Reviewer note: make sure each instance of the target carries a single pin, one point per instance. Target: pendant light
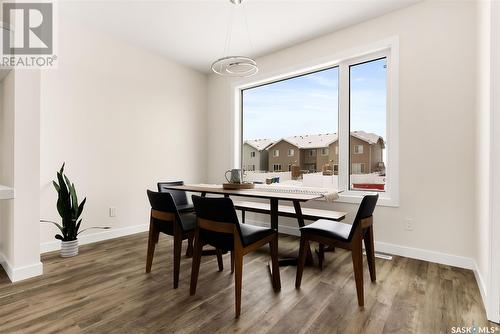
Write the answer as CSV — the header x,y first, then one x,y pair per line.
x,y
235,66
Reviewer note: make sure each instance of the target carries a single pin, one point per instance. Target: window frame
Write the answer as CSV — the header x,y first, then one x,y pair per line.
x,y
387,48
291,150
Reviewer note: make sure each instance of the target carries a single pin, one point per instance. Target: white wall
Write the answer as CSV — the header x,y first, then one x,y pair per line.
x,y
493,307
437,103
483,146
20,169
122,119
6,161
488,158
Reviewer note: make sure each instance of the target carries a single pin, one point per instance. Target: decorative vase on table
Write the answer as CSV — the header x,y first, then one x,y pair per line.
x,y
70,211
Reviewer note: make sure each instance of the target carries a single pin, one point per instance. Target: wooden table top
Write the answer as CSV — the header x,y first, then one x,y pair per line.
x,y
255,193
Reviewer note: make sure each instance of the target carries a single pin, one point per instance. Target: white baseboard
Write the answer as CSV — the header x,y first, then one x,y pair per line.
x,y
425,255
482,286
96,237
17,274
393,249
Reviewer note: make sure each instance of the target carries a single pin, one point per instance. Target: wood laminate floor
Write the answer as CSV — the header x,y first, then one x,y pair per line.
x,y
105,290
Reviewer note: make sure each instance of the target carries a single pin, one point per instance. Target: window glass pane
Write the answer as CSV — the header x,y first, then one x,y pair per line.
x,y
368,114
299,117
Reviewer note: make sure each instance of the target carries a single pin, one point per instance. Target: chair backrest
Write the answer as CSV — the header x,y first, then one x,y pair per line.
x,y
163,202
179,196
365,210
220,210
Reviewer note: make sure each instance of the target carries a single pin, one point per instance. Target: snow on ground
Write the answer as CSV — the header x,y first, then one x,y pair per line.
x,y
312,180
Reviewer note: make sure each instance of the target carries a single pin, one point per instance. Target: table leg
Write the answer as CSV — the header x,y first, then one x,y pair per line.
x,y
300,220
274,225
274,214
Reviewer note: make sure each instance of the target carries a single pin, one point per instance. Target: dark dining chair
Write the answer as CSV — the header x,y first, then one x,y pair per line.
x,y
218,226
165,218
179,196
344,236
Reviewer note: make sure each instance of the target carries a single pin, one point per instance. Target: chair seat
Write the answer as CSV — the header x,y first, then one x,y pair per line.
x,y
185,208
328,229
252,233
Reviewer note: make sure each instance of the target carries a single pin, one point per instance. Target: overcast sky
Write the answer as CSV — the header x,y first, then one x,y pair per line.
x,y
309,104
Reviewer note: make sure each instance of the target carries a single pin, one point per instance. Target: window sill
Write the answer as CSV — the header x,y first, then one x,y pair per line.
x,y
355,197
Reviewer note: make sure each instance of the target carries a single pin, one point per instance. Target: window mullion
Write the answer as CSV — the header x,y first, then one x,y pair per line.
x,y
343,127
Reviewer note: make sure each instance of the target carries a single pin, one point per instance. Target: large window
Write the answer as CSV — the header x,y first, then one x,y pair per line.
x,y
299,116
368,121
331,123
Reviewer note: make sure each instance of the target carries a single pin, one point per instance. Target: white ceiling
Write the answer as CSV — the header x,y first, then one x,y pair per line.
x,y
193,32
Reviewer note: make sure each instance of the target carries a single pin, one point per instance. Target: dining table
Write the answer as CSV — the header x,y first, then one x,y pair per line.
x,y
274,196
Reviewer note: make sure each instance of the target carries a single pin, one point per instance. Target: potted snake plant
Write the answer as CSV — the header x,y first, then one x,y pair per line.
x,y
70,211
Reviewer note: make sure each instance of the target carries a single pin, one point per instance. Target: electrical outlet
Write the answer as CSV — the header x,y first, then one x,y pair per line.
x,y
408,224
112,212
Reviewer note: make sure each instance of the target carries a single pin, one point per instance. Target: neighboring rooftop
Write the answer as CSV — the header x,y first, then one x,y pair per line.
x,y
259,144
312,141
325,139
369,137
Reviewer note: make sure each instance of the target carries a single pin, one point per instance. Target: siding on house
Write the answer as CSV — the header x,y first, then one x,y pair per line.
x,y
257,148
283,146
249,162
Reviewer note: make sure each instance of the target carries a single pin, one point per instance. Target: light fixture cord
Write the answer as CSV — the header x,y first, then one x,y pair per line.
x,y
229,32
248,30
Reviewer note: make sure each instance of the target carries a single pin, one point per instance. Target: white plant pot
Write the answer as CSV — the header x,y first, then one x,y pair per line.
x,y
69,248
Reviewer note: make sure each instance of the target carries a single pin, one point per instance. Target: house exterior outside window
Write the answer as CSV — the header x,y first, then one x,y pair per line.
x,y
255,154
358,168
313,152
